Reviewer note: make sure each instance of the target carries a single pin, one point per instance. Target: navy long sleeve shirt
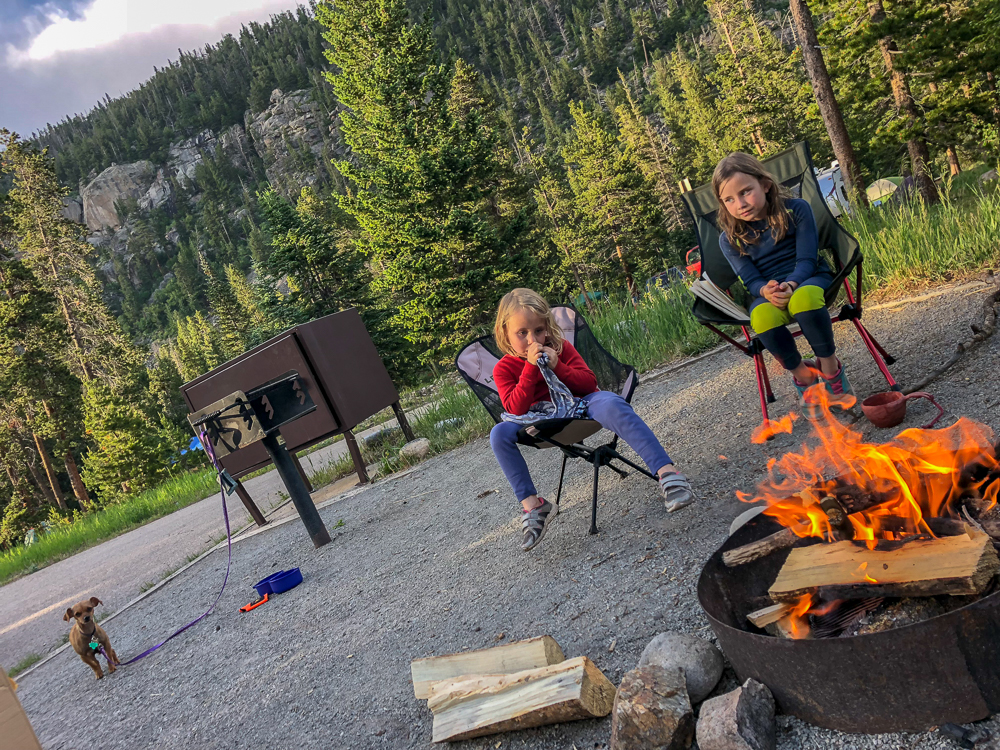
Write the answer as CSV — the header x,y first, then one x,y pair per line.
x,y
794,258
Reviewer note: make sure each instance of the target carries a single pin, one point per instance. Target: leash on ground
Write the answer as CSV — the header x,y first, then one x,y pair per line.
x,y
209,450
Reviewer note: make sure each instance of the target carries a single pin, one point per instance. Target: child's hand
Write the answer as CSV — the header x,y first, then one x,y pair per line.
x,y
781,300
771,291
553,357
534,352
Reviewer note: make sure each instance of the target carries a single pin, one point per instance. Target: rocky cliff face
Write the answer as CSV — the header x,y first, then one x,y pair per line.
x,y
116,183
294,141
187,155
293,138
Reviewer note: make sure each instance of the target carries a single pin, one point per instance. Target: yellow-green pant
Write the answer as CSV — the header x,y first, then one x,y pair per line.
x,y
807,307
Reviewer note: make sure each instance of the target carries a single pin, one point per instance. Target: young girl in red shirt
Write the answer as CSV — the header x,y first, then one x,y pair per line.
x,y
524,331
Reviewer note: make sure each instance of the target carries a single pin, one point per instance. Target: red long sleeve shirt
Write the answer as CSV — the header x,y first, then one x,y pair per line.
x,y
520,385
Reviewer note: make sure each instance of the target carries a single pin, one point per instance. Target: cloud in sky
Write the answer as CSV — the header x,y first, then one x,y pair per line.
x,y
61,56
108,21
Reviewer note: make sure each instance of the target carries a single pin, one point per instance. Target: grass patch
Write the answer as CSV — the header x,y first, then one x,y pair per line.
x,y
22,665
455,418
109,522
914,242
660,328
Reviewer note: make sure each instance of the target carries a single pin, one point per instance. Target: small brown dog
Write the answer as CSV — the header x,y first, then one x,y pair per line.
x,y
86,635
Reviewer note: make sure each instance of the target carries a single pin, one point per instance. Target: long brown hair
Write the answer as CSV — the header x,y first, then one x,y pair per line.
x,y
738,232
525,299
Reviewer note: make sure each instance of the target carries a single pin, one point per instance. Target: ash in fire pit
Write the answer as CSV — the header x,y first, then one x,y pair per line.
x,y
871,568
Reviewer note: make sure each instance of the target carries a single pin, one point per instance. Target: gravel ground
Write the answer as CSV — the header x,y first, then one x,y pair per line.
x,y
430,564
31,607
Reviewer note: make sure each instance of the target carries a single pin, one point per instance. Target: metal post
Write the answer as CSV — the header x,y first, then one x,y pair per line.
x,y
249,504
302,472
404,424
296,490
359,464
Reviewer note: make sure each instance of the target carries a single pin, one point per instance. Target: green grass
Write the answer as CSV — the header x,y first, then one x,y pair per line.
x,y
914,242
661,328
97,527
455,401
22,665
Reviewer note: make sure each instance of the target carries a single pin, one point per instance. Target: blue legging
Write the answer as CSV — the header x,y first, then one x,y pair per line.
x,y
807,307
610,410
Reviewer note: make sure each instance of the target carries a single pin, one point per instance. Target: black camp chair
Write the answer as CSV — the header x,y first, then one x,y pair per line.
x,y
793,168
476,361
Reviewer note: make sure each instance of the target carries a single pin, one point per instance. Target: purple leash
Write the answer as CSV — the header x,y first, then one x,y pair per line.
x,y
229,544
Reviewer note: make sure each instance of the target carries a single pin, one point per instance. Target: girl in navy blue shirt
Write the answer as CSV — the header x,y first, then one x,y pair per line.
x,y
770,240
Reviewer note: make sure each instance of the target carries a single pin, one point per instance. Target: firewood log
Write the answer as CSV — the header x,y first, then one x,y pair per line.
x,y
953,565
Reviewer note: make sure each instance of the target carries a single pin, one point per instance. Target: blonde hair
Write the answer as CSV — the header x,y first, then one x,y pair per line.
x,y
525,299
738,232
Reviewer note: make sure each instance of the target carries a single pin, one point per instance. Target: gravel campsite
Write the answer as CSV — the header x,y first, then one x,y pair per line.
x,y
428,562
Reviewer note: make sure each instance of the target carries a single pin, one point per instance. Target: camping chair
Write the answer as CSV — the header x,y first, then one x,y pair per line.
x,y
793,168
476,361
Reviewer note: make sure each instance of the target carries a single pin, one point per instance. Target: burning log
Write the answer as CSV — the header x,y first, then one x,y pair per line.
x,y
764,617
954,565
836,516
761,548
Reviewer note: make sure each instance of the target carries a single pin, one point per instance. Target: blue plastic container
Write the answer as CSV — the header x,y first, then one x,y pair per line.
x,y
264,586
286,579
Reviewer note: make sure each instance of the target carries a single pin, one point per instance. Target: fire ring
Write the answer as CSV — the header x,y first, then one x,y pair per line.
x,y
911,678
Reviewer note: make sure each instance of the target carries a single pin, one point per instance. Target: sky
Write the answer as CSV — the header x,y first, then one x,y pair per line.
x,y
60,57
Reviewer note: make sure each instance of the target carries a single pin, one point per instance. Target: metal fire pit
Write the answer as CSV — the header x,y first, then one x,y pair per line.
x,y
946,669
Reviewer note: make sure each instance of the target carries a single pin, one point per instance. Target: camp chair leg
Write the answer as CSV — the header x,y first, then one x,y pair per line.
x,y
562,473
874,350
767,381
597,475
758,362
889,359
613,454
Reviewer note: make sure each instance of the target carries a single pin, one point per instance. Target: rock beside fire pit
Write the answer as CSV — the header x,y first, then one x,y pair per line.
x,y
701,661
740,720
652,711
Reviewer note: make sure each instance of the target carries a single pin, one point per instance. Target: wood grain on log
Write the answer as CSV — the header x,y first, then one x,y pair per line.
x,y
764,617
511,657
953,565
489,704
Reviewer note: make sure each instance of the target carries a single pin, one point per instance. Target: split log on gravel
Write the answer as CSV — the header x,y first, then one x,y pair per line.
x,y
489,704
507,659
954,565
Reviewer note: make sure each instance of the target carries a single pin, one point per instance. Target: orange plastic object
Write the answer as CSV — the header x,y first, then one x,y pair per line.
x,y
256,604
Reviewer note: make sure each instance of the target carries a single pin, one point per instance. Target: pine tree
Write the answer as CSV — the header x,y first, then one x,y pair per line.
x,y
38,389
690,110
55,251
235,329
764,90
826,99
425,168
618,204
644,144
130,454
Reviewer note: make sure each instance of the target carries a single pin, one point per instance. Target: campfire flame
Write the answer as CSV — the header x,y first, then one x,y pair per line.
x,y
918,475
